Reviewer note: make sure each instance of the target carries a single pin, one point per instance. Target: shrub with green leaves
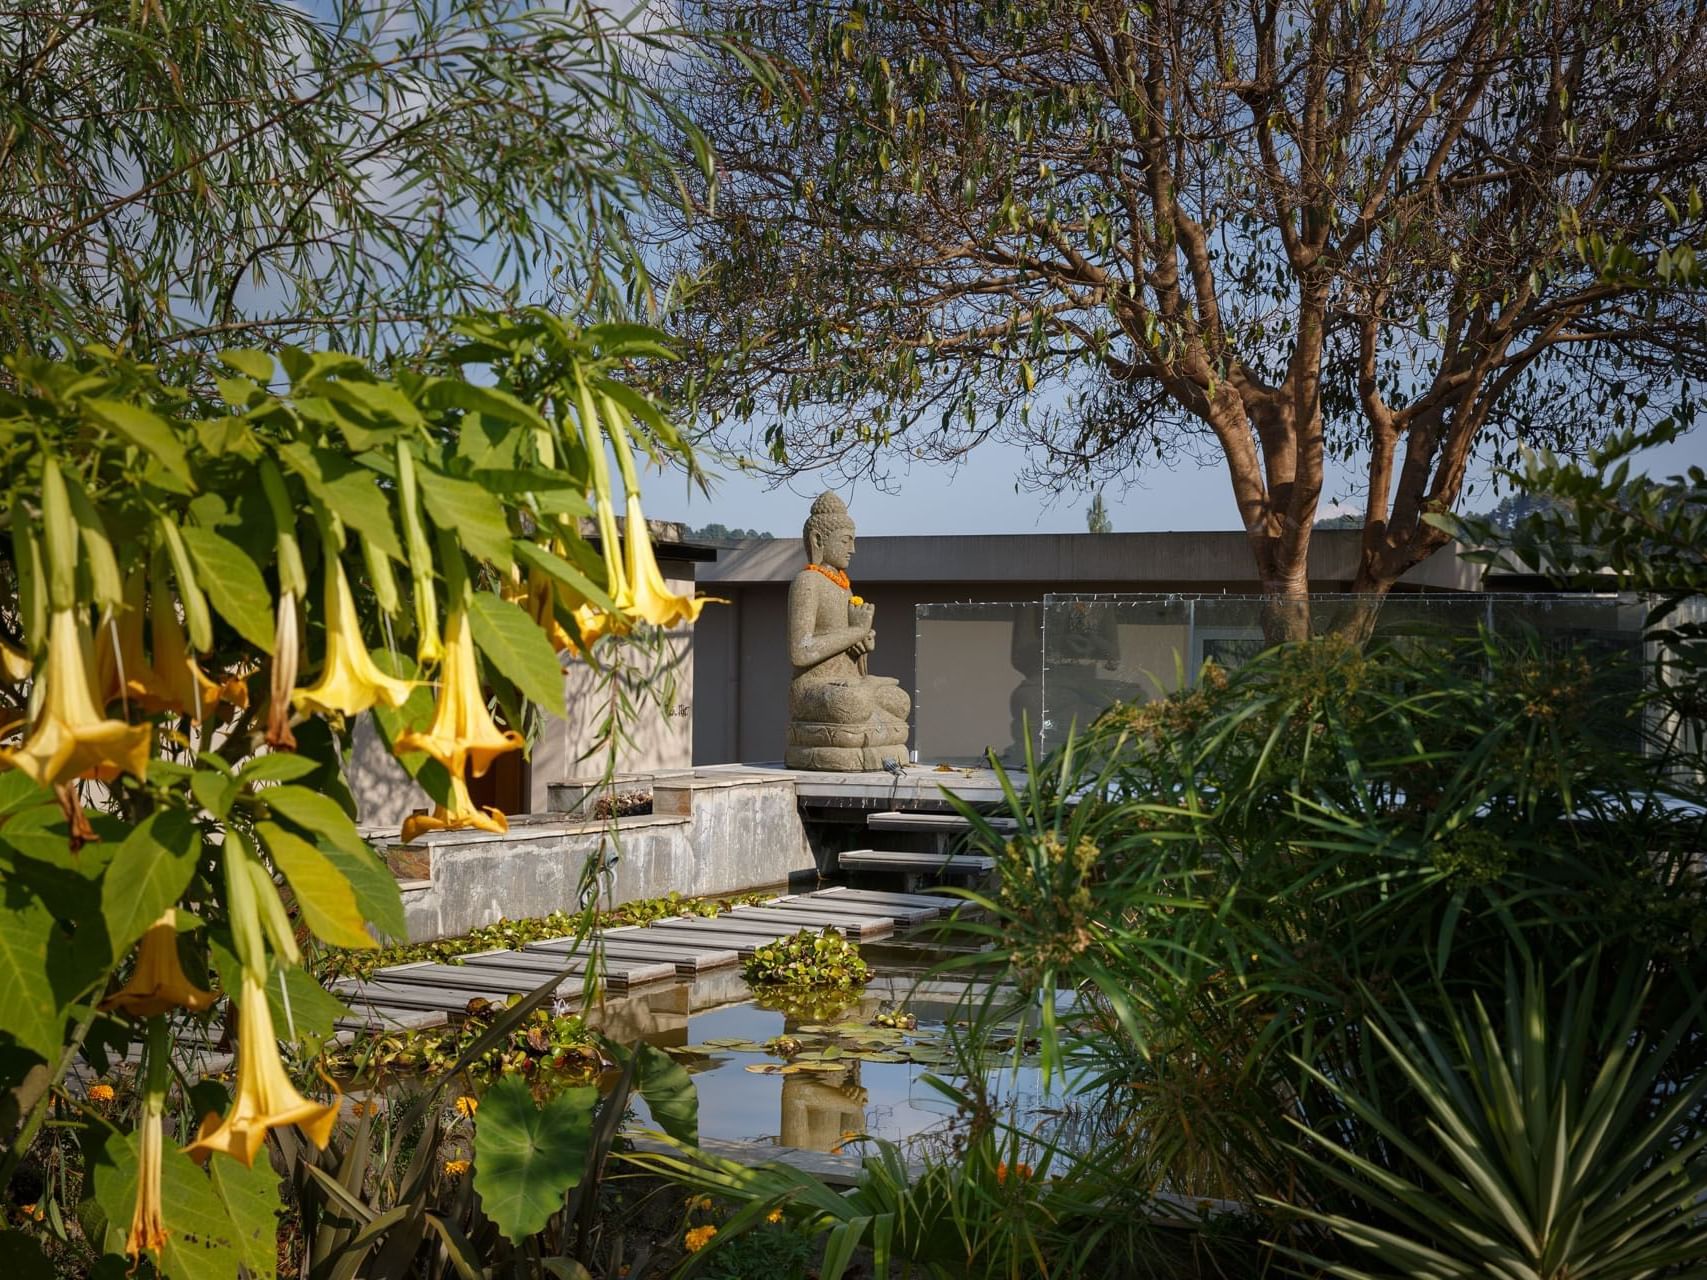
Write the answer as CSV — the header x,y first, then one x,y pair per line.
x,y
808,960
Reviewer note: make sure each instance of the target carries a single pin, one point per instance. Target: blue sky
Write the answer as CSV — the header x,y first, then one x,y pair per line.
x,y
979,497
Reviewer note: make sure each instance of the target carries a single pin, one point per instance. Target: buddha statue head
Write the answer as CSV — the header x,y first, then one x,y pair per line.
x,y
829,532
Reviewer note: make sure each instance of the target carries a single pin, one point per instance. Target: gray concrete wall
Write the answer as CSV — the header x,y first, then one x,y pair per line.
x,y
716,837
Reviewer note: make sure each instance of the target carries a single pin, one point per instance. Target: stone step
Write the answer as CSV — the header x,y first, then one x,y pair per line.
x,y
914,862
906,820
793,919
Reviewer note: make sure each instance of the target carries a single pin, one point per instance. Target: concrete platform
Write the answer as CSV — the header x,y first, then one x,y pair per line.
x,y
917,786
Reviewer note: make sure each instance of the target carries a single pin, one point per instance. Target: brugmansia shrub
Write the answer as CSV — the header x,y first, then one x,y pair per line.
x,y
204,589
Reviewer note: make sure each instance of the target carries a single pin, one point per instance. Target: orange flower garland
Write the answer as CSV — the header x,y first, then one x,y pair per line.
x,y
834,574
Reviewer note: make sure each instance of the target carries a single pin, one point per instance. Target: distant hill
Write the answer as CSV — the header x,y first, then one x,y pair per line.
x,y
722,535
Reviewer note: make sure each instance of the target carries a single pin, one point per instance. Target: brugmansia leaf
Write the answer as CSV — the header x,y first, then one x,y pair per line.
x,y
514,644
527,1157
229,577
314,812
470,513
145,429
149,872
313,1011
276,766
327,899
216,1222
669,1092
256,364
28,1011
349,490
377,895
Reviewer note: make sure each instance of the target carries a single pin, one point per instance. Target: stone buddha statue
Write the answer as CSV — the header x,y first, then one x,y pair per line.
x,y
839,717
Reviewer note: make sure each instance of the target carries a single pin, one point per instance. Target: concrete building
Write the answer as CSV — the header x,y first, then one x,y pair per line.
x,y
741,649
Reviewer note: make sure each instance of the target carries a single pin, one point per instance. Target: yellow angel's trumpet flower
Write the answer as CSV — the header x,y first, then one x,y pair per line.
x,y
650,597
121,665
463,736
538,595
177,683
266,1099
15,665
158,983
147,1227
349,681
287,653
69,738
461,813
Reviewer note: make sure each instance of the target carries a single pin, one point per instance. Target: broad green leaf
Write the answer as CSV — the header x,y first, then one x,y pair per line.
x,y
381,400
215,791
538,557
312,1013
19,791
348,490
514,644
145,429
669,1092
217,1220
527,1157
495,402
148,873
327,899
468,512
317,813
377,895
231,580
256,364
276,766
28,1010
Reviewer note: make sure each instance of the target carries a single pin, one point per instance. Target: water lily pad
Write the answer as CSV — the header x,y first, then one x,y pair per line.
x,y
817,1068
767,1068
696,1050
735,1044
878,1055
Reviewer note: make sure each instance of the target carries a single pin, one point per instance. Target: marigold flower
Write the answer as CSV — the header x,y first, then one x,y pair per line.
x,y
349,681
649,595
101,1093
467,1105
1021,1173
158,983
698,1237
147,1226
266,1099
463,736
462,812
774,1216
455,1168
69,737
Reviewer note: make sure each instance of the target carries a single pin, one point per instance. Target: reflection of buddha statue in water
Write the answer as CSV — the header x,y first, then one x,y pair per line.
x,y
839,717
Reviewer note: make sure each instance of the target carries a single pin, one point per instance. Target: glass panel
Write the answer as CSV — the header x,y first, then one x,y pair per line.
x,y
1099,650
978,677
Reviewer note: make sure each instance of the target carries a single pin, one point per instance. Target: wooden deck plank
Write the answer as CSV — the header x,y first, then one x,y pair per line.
x,y
632,970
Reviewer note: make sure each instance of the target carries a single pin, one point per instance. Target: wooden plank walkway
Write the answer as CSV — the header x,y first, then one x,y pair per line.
x,y
427,993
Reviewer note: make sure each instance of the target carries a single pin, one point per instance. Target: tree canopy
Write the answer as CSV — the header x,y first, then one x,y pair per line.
x,y
1271,234
190,174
